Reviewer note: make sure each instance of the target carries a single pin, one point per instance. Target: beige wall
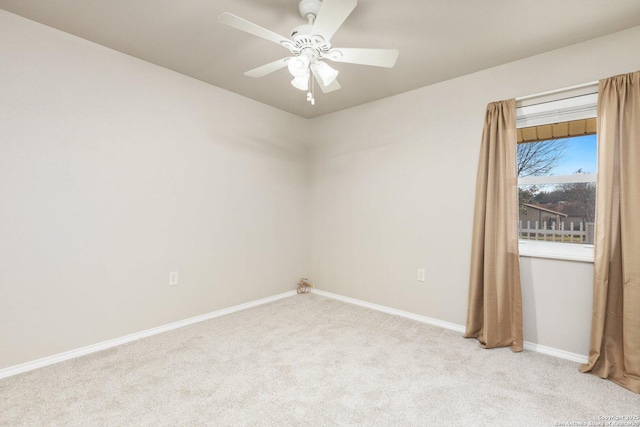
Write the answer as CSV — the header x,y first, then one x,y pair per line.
x,y
557,298
114,172
393,187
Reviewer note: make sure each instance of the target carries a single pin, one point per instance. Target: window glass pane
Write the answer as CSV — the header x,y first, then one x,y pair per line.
x,y
557,212
557,156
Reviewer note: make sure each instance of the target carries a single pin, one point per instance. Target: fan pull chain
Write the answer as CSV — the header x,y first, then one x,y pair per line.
x,y
311,94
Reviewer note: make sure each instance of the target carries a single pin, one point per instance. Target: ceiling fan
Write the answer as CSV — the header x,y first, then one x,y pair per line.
x,y
310,46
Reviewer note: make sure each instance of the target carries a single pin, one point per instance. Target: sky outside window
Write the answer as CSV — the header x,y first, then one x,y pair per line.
x,y
580,153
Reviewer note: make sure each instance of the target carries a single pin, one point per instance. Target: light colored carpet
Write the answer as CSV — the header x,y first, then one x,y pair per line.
x,y
309,360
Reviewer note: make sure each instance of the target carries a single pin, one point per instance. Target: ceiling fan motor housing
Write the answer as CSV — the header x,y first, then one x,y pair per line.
x,y
305,41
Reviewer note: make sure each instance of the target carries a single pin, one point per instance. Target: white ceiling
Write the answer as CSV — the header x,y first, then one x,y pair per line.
x,y
437,39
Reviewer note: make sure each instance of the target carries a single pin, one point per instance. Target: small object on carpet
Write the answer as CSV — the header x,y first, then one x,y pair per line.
x,y
304,286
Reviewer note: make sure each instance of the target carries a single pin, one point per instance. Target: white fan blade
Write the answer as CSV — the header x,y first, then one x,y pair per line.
x,y
331,16
376,57
267,68
251,28
325,89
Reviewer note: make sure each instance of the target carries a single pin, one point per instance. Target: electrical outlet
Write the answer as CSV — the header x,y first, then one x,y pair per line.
x,y
173,278
421,275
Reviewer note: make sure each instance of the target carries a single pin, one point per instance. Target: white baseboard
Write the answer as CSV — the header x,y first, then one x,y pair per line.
x,y
29,366
538,348
389,310
562,354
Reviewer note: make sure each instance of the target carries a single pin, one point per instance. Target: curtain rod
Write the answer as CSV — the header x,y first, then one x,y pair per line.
x,y
551,92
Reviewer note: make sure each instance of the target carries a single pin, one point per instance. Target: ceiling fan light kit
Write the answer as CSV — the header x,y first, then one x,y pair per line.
x,y
310,45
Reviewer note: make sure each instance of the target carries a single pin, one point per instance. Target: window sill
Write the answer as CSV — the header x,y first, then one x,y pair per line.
x,y
555,250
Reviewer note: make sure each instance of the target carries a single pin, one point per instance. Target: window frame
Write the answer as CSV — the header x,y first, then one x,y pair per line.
x,y
575,103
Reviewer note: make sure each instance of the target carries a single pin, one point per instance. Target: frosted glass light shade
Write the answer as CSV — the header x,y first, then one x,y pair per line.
x,y
298,66
326,73
302,82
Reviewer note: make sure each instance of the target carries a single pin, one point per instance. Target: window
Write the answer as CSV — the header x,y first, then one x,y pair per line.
x,y
556,161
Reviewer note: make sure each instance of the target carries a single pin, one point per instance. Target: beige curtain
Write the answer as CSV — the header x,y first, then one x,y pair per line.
x,y
494,313
615,327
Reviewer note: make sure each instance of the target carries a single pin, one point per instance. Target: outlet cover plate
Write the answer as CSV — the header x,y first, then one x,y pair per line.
x,y
173,278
